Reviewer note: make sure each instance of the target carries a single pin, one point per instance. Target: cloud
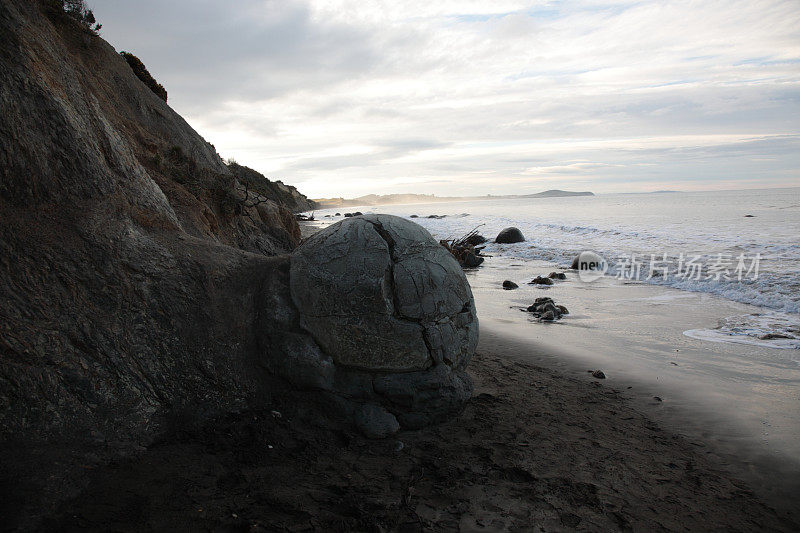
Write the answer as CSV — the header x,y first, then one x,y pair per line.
x,y
213,52
347,98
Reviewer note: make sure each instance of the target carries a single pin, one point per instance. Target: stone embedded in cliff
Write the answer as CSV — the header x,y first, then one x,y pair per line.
x,y
378,293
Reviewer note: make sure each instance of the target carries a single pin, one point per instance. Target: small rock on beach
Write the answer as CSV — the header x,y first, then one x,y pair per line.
x,y
509,236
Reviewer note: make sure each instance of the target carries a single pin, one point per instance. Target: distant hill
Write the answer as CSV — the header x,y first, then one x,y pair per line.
x,y
384,199
554,193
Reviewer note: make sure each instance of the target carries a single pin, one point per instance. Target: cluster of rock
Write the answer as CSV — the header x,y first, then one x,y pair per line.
x,y
467,256
350,215
542,280
546,309
466,249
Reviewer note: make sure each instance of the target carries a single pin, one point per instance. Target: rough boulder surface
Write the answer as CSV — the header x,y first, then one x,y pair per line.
x,y
392,314
377,292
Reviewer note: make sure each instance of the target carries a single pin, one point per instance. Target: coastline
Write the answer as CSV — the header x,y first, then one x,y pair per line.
x,y
737,400
532,448
743,396
710,393
772,478
540,444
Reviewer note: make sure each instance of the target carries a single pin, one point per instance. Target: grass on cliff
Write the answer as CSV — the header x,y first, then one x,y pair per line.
x,y
257,182
143,74
75,10
223,189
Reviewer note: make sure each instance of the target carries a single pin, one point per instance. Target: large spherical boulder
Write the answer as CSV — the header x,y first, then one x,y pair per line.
x,y
509,236
379,294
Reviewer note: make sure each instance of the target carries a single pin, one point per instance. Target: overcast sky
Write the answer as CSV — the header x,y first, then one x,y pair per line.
x,y
344,98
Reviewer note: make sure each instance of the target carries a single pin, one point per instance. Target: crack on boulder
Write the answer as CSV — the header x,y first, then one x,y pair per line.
x,y
387,237
428,345
436,318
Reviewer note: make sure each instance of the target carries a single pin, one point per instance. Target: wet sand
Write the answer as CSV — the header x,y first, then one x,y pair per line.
x,y
534,449
739,400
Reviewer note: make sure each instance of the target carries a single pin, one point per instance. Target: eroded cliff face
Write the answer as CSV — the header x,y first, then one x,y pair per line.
x,y
131,259
145,284
73,107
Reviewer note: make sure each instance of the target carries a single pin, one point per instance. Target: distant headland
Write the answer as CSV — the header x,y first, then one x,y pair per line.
x,y
383,199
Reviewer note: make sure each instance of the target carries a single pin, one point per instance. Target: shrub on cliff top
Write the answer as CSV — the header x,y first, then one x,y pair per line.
x,y
257,182
143,74
77,10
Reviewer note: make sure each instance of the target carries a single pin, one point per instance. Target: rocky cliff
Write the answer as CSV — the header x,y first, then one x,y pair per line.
x,y
145,285
131,260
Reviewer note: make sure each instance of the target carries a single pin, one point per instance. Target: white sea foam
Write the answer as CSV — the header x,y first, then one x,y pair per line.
x,y
769,330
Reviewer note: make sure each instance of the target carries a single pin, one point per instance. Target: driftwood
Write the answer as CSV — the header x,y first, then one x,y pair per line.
x,y
464,248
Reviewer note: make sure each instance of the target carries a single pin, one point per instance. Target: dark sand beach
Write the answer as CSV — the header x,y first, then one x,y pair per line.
x,y
534,449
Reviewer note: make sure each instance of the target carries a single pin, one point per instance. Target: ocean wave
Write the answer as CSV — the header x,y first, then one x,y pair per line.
x,y
773,290
767,330
777,286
